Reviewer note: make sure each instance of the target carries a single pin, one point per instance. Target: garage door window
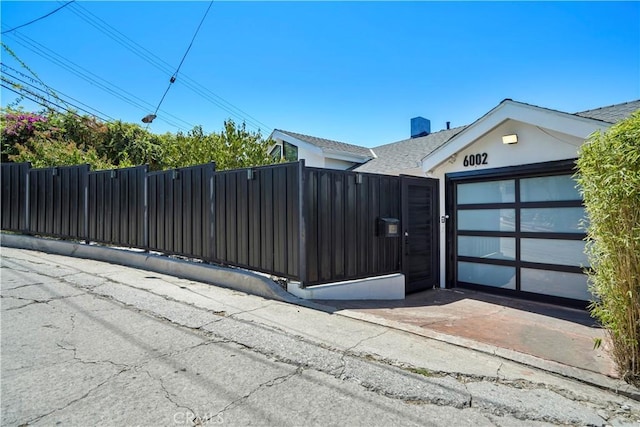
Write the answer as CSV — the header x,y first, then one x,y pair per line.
x,y
524,233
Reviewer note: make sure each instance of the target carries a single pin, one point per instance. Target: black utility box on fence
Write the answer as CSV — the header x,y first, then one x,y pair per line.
x,y
388,227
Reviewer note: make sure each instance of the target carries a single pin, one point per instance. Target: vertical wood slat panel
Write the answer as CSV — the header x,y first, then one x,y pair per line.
x,y
180,211
257,211
15,196
341,215
116,206
57,201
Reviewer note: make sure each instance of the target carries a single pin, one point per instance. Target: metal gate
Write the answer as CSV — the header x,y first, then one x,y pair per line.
x,y
420,241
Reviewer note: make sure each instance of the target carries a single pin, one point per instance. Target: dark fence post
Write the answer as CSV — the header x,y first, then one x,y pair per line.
x,y
27,207
85,207
145,218
210,240
302,240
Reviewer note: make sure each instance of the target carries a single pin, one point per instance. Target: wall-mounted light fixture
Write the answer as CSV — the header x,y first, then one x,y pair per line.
x,y
176,174
113,174
510,139
453,158
250,174
358,178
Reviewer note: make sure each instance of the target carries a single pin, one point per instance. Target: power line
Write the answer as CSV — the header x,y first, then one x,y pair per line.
x,y
145,54
7,79
26,67
174,76
39,100
91,77
79,71
95,110
38,19
159,63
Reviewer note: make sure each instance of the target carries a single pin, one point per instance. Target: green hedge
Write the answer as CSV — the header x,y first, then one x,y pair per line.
x,y
609,175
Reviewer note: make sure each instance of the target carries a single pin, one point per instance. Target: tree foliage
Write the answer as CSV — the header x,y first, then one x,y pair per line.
x,y
51,138
609,175
233,148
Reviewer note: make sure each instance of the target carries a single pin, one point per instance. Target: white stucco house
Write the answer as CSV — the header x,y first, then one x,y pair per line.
x,y
317,152
510,213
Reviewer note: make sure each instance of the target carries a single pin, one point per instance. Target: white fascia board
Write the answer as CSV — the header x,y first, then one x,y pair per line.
x,y
273,138
558,121
341,155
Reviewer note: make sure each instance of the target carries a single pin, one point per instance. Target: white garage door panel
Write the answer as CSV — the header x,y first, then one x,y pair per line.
x,y
556,283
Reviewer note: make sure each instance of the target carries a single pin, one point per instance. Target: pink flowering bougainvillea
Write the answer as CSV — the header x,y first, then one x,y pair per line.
x,y
21,125
18,128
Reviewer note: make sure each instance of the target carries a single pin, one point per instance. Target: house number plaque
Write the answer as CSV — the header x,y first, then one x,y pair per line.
x,y
475,159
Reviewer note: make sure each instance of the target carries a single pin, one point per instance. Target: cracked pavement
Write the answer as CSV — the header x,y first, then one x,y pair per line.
x,y
90,343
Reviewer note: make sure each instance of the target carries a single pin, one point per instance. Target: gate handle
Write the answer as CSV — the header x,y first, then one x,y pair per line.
x,y
406,242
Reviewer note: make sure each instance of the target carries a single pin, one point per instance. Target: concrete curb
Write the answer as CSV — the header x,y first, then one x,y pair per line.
x,y
582,375
252,283
240,280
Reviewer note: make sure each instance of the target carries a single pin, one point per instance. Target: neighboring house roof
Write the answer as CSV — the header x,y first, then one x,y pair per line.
x,y
612,113
406,154
328,145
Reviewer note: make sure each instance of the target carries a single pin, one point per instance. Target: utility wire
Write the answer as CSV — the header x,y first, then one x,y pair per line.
x,y
26,67
100,114
144,53
175,74
192,39
41,101
162,65
38,19
30,90
90,77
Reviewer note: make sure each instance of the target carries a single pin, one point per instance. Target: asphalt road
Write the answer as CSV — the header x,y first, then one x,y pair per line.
x,y
90,343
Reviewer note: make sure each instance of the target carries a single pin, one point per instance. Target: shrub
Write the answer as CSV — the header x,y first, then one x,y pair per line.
x,y
609,174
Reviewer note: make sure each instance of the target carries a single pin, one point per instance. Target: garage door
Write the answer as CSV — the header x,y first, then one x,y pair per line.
x,y
520,233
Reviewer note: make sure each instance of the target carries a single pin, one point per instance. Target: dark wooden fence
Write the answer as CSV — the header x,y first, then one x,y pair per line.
x,y
181,211
117,206
258,219
58,201
15,203
341,210
311,225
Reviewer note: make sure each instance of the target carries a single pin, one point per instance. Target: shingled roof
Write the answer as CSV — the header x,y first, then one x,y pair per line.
x,y
331,145
612,113
406,154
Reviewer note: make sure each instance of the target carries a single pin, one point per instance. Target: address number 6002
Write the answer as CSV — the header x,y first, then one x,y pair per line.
x,y
475,159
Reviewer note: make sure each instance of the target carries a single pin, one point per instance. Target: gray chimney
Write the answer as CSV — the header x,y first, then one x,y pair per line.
x,y
420,127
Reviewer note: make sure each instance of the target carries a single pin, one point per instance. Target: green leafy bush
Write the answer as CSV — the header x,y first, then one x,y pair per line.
x,y
235,147
609,174
52,138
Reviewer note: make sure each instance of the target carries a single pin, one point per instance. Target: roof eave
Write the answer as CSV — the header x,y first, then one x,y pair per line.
x,y
343,155
509,110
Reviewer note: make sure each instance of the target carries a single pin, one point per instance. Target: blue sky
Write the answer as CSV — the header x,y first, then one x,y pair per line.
x,y
352,71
